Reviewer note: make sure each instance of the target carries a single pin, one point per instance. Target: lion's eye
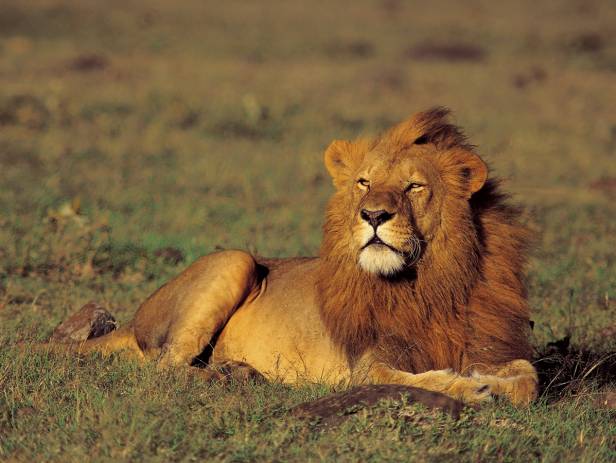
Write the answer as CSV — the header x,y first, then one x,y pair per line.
x,y
363,183
415,187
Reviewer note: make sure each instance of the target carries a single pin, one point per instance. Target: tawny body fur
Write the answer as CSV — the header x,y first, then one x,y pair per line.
x,y
419,282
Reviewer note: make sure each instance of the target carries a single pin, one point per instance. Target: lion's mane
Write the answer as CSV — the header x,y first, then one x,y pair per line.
x,y
462,306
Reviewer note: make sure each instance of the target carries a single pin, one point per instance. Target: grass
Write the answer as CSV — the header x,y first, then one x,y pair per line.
x,y
136,136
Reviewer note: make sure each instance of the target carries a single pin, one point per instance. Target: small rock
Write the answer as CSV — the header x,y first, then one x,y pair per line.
x,y
91,321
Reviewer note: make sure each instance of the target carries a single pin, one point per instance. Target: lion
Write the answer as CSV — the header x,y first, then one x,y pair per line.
x,y
419,282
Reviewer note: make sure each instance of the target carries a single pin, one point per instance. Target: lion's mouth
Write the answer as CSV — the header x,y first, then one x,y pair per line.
x,y
376,241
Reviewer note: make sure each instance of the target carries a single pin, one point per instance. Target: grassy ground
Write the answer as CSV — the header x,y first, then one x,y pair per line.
x,y
138,135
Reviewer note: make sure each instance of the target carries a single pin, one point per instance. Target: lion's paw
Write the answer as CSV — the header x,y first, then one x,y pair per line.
x,y
472,390
469,390
519,390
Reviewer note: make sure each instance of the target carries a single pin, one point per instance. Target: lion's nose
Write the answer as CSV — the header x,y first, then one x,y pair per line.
x,y
375,218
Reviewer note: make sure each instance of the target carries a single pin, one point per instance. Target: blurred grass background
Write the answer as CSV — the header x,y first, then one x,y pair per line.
x,y
137,135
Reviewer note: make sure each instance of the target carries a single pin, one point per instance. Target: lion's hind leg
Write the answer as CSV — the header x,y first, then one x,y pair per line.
x,y
121,340
197,304
90,329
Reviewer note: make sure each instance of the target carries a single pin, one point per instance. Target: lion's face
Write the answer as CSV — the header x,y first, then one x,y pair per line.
x,y
396,202
394,194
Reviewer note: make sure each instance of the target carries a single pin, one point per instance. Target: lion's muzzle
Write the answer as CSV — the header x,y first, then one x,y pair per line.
x,y
375,218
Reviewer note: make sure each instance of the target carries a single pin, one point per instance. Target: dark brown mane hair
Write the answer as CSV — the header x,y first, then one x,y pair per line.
x,y
462,306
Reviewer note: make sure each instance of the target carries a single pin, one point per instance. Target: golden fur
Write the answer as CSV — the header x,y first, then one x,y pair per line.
x,y
419,282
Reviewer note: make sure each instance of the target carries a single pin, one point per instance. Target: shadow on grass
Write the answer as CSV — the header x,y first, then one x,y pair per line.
x,y
566,370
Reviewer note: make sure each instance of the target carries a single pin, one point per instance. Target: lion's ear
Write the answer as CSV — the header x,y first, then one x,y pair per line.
x,y
472,171
341,158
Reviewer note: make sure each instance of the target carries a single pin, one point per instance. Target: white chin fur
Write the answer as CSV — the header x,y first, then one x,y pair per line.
x,y
380,260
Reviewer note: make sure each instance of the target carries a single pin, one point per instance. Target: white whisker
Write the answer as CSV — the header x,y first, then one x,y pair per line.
x,y
416,248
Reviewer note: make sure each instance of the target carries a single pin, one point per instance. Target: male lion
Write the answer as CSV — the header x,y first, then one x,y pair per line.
x,y
418,282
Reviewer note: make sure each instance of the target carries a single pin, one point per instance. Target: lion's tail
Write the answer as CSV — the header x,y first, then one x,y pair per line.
x,y
122,339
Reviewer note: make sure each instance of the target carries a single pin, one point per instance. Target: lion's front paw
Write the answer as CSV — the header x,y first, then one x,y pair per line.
x,y
520,390
470,390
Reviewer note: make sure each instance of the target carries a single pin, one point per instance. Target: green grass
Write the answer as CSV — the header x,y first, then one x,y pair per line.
x,y
102,409
202,125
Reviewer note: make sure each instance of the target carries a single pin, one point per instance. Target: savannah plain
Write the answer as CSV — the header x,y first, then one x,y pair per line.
x,y
138,135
